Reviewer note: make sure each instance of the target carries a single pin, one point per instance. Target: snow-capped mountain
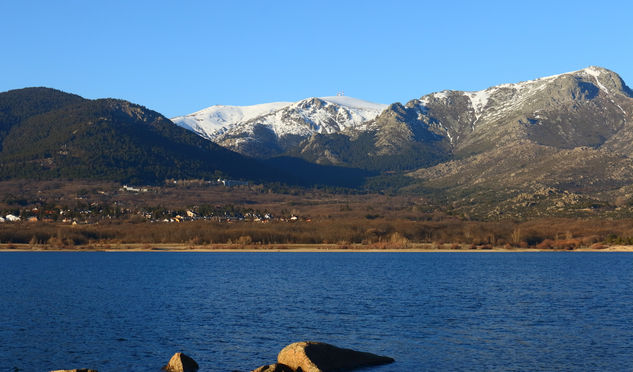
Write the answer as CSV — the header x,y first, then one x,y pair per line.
x,y
215,120
272,128
580,108
565,132
590,107
538,147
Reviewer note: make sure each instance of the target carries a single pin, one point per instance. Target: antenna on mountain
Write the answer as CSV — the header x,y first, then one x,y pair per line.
x,y
340,94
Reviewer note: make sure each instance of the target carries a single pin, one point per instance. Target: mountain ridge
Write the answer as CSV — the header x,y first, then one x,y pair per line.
x,y
273,128
444,124
560,110
562,142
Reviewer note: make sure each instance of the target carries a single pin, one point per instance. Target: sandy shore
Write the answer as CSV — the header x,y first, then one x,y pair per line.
x,y
276,248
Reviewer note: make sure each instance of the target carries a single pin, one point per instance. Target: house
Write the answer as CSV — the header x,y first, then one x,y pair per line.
x,y
230,183
129,188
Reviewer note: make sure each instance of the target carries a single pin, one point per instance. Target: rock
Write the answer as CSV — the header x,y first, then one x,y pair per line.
x,y
75,370
277,367
181,363
321,357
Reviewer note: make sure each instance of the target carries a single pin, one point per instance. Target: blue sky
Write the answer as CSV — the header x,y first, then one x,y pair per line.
x,y
177,57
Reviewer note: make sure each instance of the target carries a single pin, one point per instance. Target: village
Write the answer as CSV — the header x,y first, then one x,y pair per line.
x,y
113,205
96,213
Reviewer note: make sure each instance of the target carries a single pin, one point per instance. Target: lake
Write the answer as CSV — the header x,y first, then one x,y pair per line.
x,y
131,311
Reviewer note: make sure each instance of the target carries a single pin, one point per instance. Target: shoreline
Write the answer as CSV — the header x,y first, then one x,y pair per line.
x,y
297,248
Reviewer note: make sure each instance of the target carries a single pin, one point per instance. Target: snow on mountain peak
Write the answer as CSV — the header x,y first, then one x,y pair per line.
x,y
355,103
492,103
218,118
478,100
595,72
310,115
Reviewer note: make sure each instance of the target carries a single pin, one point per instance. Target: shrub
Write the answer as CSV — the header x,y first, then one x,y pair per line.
x,y
546,244
244,240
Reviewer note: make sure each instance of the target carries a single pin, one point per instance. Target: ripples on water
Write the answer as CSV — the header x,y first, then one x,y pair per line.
x,y
235,311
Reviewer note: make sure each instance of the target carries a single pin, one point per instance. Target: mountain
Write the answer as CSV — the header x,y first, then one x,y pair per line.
x,y
46,133
544,146
547,146
271,129
591,107
554,145
581,108
20,104
393,141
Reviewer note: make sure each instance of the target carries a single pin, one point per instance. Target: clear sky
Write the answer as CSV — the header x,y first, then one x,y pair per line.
x,y
177,57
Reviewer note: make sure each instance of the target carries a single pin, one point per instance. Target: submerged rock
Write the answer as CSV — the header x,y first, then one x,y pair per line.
x,y
277,367
181,363
321,357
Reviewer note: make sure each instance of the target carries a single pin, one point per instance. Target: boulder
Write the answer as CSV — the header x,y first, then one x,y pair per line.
x,y
321,357
277,367
181,363
75,370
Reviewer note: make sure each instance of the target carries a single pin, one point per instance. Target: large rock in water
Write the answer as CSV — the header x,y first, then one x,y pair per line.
x,y
321,357
274,368
181,363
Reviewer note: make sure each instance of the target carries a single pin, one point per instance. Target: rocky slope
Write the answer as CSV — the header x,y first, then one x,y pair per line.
x,y
591,107
556,143
550,145
582,108
586,108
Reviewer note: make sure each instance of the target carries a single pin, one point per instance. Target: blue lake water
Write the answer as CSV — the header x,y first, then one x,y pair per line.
x,y
235,311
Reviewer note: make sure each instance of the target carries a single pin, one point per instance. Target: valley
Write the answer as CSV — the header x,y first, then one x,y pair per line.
x,y
541,163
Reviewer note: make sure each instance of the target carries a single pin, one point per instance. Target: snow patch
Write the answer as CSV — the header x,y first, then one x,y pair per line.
x,y
440,95
596,74
478,101
355,103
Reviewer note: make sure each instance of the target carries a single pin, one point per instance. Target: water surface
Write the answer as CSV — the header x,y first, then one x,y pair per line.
x,y
235,311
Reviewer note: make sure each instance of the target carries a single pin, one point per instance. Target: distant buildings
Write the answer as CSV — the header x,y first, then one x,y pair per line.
x,y
230,183
133,189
